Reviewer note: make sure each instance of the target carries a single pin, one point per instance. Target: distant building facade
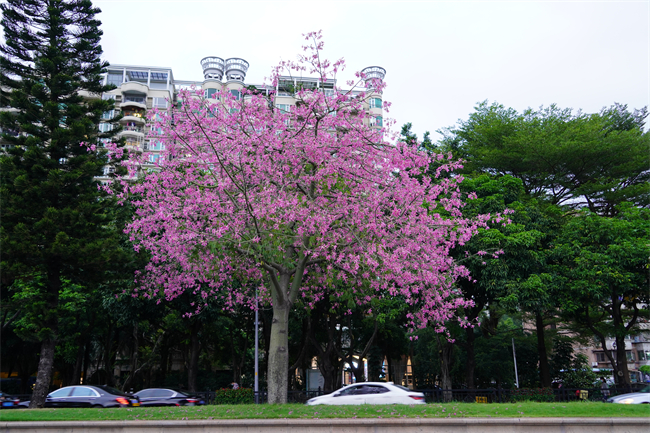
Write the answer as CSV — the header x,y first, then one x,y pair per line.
x,y
140,89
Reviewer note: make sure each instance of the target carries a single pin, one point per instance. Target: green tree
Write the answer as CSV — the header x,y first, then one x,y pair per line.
x,y
602,263
503,277
572,159
567,161
55,223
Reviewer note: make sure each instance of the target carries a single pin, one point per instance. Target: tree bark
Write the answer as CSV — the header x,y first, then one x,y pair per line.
x,y
622,375
48,345
44,375
544,369
278,367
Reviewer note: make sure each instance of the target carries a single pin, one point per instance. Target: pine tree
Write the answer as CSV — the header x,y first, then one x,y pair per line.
x,y
57,226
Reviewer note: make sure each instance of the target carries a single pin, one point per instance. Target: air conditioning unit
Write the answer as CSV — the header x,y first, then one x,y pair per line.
x,y
594,364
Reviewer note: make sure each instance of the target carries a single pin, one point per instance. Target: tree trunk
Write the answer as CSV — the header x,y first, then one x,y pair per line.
x,y
622,375
544,370
278,367
48,346
86,366
445,349
193,364
44,376
76,373
470,366
284,290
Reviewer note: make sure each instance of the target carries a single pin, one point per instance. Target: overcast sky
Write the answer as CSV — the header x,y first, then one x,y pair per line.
x,y
441,57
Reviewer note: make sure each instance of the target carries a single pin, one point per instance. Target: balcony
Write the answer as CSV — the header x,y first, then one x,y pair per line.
x,y
134,143
133,116
134,86
132,131
133,128
134,101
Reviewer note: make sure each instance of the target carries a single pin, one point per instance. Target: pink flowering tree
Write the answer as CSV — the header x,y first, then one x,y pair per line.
x,y
297,204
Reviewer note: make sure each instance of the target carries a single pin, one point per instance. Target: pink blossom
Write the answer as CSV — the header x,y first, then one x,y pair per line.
x,y
292,202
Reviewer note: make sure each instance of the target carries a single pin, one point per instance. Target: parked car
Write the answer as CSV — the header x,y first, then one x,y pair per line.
x,y
370,393
8,401
89,396
167,397
640,397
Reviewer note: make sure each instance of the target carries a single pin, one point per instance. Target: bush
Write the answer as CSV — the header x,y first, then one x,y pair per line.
x,y
532,394
234,396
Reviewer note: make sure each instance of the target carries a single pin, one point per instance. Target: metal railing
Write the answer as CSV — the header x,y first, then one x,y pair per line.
x,y
488,395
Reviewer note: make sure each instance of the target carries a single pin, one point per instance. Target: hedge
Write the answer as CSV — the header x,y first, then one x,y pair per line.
x,y
234,396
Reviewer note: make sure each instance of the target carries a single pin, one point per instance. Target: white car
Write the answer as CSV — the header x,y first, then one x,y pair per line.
x,y
370,393
642,396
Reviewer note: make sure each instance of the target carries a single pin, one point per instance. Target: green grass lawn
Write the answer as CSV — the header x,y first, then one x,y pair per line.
x,y
434,410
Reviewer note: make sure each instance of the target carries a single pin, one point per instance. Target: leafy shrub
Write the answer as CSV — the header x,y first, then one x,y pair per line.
x,y
234,396
532,394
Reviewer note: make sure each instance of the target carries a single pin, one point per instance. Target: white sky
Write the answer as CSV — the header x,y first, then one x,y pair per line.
x,y
441,57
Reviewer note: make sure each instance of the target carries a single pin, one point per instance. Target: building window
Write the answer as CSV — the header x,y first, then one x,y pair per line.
x,y
209,93
629,355
105,127
375,103
156,145
286,108
236,94
160,102
106,115
377,121
644,355
114,79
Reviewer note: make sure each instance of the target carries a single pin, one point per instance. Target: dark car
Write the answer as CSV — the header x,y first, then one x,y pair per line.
x,y
8,401
89,396
167,397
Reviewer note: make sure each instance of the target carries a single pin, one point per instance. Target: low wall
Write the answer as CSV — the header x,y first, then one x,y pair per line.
x,y
364,425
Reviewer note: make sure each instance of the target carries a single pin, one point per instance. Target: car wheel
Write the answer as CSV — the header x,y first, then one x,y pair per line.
x,y
97,406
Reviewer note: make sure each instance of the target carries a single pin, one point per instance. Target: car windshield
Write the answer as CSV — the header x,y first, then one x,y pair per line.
x,y
111,390
646,389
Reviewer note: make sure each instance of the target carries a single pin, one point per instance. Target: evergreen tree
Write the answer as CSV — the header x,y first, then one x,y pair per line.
x,y
57,227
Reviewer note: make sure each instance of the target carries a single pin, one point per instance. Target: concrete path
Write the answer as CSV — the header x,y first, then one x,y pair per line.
x,y
363,425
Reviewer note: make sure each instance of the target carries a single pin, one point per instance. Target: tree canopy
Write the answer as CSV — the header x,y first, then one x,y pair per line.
x,y
297,202
56,225
573,159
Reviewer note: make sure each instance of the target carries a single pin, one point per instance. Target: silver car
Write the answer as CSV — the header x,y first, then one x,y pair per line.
x,y
370,393
640,397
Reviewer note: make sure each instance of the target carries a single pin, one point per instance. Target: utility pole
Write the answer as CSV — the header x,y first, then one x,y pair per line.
x,y
257,325
514,355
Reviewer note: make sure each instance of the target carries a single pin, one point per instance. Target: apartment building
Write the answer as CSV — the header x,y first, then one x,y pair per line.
x,y
140,89
637,351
